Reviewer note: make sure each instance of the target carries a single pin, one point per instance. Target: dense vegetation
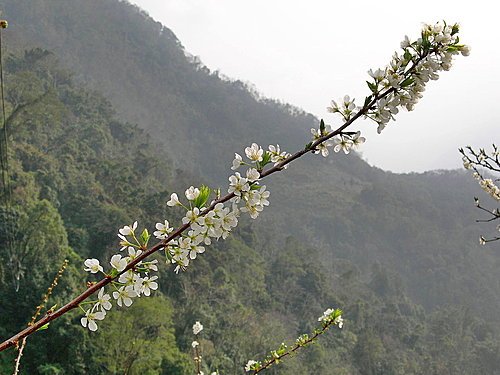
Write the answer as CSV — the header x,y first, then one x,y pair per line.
x,y
397,252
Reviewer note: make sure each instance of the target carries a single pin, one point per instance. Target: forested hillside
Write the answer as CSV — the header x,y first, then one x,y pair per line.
x,y
398,253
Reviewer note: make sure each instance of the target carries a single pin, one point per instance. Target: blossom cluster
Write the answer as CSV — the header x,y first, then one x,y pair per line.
x,y
204,223
332,316
490,187
218,221
133,283
340,142
401,83
481,160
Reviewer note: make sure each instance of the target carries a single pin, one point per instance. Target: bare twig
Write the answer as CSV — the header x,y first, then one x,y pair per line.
x,y
38,310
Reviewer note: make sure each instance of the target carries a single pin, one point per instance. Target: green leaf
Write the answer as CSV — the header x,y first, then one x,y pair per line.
x,y
407,55
145,236
367,101
372,86
407,82
113,273
266,158
44,327
322,127
426,44
203,197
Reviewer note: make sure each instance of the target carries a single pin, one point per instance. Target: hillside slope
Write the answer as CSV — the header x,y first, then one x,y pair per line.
x,y
420,226
78,174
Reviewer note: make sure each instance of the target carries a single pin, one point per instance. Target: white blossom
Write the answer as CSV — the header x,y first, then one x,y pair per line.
x,y
275,152
118,263
378,74
90,317
195,250
124,295
146,285
254,152
192,193
339,321
238,184
490,187
92,265
249,365
252,175
163,230
197,328
180,255
191,216
357,140
407,74
342,143
128,230
237,162
334,107
103,300
228,219
132,254
151,265
326,315
406,42
277,155
128,278
174,200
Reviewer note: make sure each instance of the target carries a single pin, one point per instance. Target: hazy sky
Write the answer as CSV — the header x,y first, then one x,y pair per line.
x,y
309,52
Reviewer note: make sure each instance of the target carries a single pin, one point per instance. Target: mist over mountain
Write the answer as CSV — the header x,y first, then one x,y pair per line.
x,y
396,247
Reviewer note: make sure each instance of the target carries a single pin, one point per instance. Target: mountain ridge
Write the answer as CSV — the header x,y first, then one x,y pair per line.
x,y
200,120
338,232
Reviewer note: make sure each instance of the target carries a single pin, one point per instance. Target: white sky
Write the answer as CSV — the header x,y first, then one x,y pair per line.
x,y
309,52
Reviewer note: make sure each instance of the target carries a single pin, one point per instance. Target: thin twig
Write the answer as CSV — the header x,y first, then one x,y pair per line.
x,y
38,310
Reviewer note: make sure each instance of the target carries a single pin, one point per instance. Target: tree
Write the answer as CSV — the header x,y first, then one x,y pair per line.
x,y
397,86
486,167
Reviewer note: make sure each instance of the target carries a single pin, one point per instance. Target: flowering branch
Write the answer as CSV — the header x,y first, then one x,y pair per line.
x,y
478,161
329,318
400,84
197,328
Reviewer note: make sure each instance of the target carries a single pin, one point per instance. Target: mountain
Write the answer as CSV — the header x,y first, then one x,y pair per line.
x,y
392,241
150,79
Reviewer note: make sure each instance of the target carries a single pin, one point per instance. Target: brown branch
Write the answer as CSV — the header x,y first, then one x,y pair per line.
x,y
14,340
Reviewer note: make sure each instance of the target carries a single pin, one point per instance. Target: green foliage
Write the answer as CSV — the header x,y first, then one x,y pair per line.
x,y
396,252
67,178
139,340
